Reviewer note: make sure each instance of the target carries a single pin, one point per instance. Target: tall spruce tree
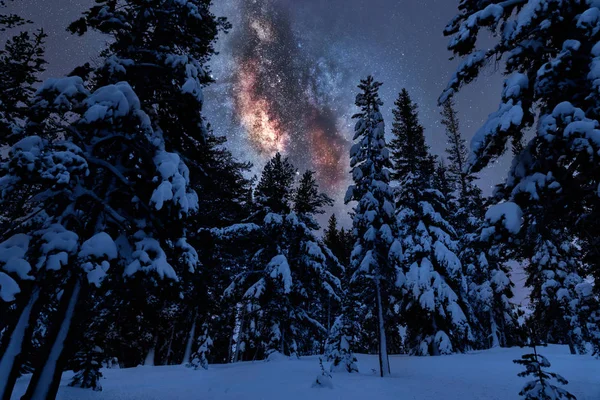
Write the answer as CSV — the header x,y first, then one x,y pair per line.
x,y
488,279
469,212
94,168
161,48
434,306
375,261
288,282
551,54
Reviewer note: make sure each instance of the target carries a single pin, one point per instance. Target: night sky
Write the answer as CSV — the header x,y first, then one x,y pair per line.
x,y
287,72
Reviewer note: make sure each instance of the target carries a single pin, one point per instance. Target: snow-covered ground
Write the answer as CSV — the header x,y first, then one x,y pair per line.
x,y
485,375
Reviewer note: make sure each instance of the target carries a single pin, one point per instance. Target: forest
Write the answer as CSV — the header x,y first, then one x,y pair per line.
x,y
131,235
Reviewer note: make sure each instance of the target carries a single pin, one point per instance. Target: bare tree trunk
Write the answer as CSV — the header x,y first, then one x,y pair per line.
x,y
46,379
240,336
170,345
384,361
14,347
190,341
152,352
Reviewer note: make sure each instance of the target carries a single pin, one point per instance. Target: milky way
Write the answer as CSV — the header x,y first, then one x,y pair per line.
x,y
276,94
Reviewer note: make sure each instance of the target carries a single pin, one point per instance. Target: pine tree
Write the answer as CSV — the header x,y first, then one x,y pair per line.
x,y
541,387
162,49
469,212
289,279
376,257
551,57
154,127
21,62
434,306
340,340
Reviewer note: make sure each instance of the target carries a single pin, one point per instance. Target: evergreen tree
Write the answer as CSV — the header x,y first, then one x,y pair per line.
x,y
541,387
340,340
469,212
407,133
551,54
117,138
489,285
376,257
490,288
434,306
161,48
289,280
21,62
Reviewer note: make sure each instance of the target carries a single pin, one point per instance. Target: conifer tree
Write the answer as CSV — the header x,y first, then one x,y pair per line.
x,y
375,261
161,48
434,305
469,212
541,387
552,79
289,280
151,125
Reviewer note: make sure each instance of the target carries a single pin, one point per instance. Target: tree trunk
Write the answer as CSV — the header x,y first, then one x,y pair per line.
x,y
170,345
190,341
14,347
149,361
384,362
46,379
240,336
494,331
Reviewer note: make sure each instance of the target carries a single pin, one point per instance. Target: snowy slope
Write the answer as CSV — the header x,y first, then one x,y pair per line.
x,y
486,375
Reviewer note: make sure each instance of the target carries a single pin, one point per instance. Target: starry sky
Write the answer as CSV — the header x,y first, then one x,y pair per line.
x,y
286,77
286,74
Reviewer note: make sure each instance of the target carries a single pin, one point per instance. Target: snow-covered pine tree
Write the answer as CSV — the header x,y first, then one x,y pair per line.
x,y
288,280
551,54
541,387
490,288
89,197
375,260
434,307
489,285
161,48
340,340
205,342
21,62
469,212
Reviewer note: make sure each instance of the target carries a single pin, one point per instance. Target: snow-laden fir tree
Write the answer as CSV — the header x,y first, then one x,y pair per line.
x,y
434,306
485,254
375,260
205,342
288,280
341,339
488,279
94,168
89,197
541,387
551,53
161,48
469,211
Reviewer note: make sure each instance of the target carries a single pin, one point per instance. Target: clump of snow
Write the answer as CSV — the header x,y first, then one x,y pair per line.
x,y
150,258
8,287
509,213
279,268
174,183
12,256
95,254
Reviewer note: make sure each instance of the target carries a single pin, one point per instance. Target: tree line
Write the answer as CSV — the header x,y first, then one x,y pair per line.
x,y
130,235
